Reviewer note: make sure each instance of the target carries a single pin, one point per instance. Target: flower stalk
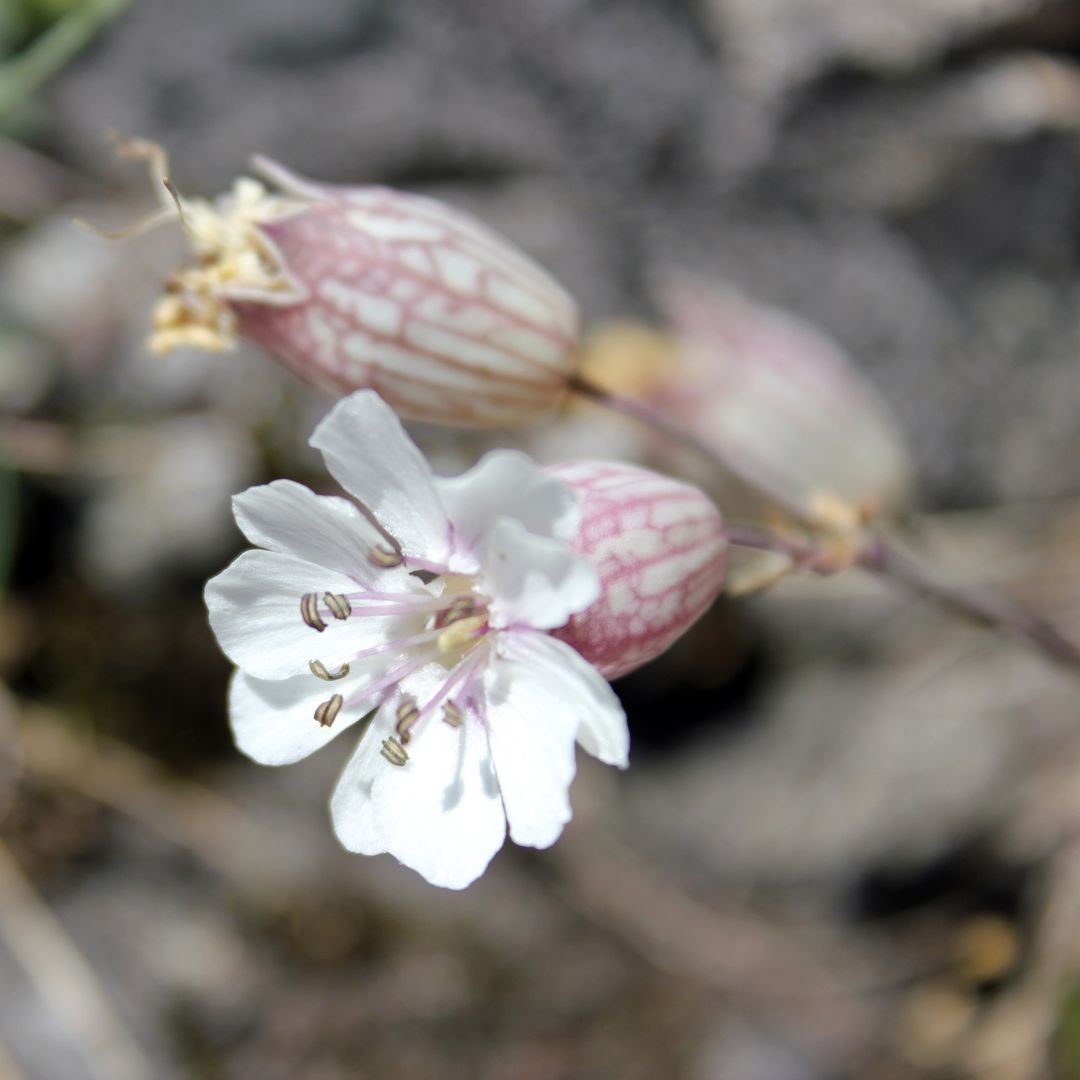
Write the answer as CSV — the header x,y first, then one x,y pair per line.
x,y
866,548
878,556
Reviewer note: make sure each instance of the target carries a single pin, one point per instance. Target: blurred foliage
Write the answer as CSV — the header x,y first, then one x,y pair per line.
x,y
39,37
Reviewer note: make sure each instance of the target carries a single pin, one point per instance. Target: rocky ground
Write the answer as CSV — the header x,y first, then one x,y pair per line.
x,y
847,845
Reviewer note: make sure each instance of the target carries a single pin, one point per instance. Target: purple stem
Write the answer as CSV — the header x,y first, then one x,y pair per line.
x,y
646,414
878,556
875,554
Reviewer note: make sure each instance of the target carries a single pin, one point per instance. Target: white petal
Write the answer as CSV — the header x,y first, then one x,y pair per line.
x,y
287,517
254,607
370,455
352,810
531,733
439,814
507,483
575,686
533,580
273,721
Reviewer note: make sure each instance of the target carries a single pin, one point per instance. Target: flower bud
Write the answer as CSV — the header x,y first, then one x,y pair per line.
x,y
781,400
660,549
353,287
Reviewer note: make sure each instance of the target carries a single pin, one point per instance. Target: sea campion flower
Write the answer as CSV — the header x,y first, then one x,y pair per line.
x,y
661,552
354,287
429,607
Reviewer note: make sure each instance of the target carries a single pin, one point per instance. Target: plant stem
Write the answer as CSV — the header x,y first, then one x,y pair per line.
x,y
876,555
872,551
986,606
650,417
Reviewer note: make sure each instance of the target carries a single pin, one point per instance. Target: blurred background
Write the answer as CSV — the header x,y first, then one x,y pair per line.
x,y
847,846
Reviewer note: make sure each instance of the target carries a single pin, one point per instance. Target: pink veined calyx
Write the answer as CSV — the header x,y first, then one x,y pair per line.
x,y
356,287
428,609
660,549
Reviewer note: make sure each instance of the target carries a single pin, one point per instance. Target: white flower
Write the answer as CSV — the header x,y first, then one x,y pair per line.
x,y
431,605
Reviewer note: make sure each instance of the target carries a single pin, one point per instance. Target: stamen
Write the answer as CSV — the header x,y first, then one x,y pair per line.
x,y
461,607
320,670
399,596
407,715
385,557
392,677
400,643
157,163
394,752
338,604
452,714
171,189
129,232
309,611
327,712
465,673
375,594
461,632
404,605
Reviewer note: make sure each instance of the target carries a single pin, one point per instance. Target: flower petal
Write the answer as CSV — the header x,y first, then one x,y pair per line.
x,y
289,518
572,684
254,607
439,814
507,483
273,721
531,733
370,455
534,580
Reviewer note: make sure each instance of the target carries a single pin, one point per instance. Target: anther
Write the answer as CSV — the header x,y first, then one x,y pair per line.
x,y
338,604
461,607
309,611
327,712
385,557
452,714
407,715
320,670
394,752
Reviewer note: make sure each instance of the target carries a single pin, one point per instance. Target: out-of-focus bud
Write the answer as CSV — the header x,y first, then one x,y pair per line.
x,y
784,404
354,287
661,551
